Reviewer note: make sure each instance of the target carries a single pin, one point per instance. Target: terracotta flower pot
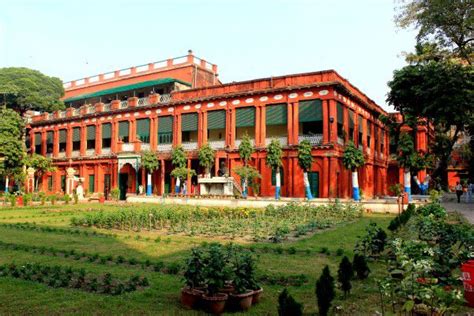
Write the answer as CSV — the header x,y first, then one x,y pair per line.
x,y
215,304
241,301
257,295
101,199
190,297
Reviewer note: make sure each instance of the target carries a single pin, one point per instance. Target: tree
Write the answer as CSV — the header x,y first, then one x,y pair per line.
x,y
274,154
41,165
352,159
345,273
441,94
150,163
179,161
26,89
359,264
12,150
206,157
246,150
287,306
447,24
305,160
325,292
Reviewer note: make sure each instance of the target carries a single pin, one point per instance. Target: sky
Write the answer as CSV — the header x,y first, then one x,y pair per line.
x,y
73,39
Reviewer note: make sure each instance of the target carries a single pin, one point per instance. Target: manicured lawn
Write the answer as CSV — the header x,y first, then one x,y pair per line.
x,y
275,260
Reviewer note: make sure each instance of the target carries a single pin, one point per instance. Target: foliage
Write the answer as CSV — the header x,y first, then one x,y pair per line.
x,y
287,306
244,271
373,243
11,145
215,268
114,193
178,157
149,161
305,158
407,156
344,275
206,156
359,264
443,24
396,189
402,218
26,89
68,277
248,172
258,224
182,172
246,149
66,198
41,165
441,93
194,274
353,157
274,154
325,291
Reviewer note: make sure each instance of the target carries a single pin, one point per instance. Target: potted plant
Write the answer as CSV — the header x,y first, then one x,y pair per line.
x,y
194,289
206,157
244,276
101,198
215,272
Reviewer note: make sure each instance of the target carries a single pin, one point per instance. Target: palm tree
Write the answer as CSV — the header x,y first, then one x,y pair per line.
x,y
352,159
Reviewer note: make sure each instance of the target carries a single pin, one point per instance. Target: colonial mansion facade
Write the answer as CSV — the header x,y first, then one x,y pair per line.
x,y
111,118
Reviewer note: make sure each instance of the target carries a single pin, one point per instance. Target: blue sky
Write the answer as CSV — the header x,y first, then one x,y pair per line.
x,y
246,39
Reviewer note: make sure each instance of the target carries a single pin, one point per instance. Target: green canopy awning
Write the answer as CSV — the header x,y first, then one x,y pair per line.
x,y
129,87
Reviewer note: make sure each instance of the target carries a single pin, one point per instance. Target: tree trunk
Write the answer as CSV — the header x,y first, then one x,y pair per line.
x,y
277,183
309,196
355,186
407,183
176,186
148,184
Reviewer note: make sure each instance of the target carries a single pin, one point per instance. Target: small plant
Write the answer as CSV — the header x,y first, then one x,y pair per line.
x,y
344,275
359,264
373,243
66,199
194,268
325,292
287,306
115,193
339,252
75,197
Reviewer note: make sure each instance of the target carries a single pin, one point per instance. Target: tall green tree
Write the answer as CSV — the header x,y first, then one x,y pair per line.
x,y
447,24
441,93
179,161
345,273
41,165
325,292
246,172
150,163
12,151
305,160
23,89
353,159
274,155
206,157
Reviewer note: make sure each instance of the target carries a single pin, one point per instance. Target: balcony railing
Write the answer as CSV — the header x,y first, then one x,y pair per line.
x,y
217,144
91,109
313,139
165,98
76,112
106,107
90,152
62,114
123,104
368,150
283,140
62,154
165,147
142,101
105,151
189,145
75,153
145,146
340,141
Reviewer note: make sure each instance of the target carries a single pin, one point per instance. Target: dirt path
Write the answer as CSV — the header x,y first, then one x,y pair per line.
x,y
467,209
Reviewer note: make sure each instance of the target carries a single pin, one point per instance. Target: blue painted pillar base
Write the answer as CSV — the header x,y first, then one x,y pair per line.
x,y
308,193
408,191
356,194
277,193
148,190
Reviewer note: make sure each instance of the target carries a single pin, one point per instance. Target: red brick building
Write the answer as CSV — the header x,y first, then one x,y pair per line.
x,y
112,117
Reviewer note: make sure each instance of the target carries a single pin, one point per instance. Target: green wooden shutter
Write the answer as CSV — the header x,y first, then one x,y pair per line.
x,y
107,130
91,132
91,183
50,137
310,111
76,134
37,138
245,117
216,119
351,119
369,128
189,122
360,124
382,140
62,135
340,113
165,124
276,114
123,128
143,129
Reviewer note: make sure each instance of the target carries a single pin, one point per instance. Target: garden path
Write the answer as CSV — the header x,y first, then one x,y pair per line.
x,y
467,209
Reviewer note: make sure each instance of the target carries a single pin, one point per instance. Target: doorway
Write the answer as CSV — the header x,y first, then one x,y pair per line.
x,y
123,185
313,178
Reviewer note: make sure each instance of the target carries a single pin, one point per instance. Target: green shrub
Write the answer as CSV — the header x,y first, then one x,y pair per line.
x,y
325,292
115,193
344,275
287,306
66,198
359,264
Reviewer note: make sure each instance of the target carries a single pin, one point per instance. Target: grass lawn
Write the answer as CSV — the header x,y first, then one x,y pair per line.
x,y
162,297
